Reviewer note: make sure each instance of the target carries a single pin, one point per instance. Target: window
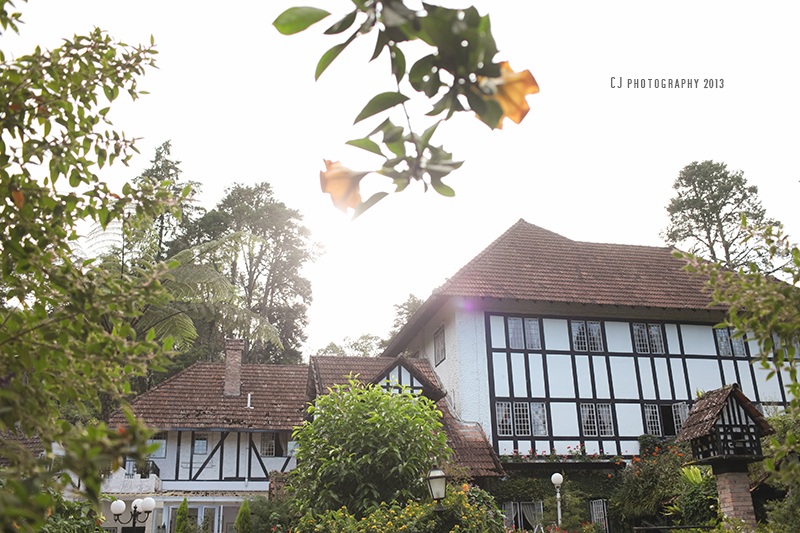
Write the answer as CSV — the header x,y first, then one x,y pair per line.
x,y
647,338
598,510
200,444
604,420
533,339
522,419
523,515
539,419
652,420
161,440
438,346
579,341
680,411
595,337
504,427
588,420
729,344
267,445
516,339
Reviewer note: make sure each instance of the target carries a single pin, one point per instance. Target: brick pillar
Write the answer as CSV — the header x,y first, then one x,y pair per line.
x,y
233,366
735,501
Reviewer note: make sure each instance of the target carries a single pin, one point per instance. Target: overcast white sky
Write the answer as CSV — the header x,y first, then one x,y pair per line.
x,y
591,162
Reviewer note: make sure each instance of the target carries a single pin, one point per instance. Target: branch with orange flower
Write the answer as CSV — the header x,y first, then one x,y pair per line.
x,y
459,75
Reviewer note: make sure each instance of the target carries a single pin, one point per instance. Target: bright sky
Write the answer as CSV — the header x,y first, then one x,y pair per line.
x,y
591,162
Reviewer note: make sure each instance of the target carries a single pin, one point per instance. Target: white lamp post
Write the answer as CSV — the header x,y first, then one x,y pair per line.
x,y
138,507
557,479
437,485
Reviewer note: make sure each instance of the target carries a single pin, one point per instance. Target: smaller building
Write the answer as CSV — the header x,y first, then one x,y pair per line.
x,y
222,429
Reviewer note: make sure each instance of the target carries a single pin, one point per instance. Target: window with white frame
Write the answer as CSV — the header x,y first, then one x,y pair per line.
x,y
505,426
160,439
267,445
438,346
680,412
539,419
588,420
598,510
605,423
648,338
533,338
516,337
595,336
579,341
652,420
200,444
522,419
523,515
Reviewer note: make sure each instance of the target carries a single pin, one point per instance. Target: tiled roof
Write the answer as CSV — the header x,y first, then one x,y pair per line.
x,y
11,438
706,411
193,399
468,441
531,263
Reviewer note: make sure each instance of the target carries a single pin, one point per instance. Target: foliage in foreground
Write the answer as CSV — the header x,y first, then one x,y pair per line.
x,y
471,511
71,517
54,138
365,447
458,74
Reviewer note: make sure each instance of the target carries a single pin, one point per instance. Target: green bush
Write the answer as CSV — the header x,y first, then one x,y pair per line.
x,y
243,522
273,515
182,520
472,511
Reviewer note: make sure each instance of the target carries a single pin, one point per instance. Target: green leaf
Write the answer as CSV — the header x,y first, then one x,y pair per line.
x,y
441,188
363,206
398,63
328,57
297,19
381,102
343,24
366,144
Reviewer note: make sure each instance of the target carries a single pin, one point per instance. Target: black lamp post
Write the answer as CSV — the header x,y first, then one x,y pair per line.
x,y
138,507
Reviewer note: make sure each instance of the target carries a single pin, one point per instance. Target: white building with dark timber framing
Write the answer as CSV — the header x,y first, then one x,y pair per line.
x,y
222,429
551,343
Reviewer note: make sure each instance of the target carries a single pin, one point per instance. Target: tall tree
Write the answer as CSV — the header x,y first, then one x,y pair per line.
x,y
273,247
706,215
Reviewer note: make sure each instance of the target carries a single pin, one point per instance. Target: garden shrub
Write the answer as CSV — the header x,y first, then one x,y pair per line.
x,y
271,515
465,511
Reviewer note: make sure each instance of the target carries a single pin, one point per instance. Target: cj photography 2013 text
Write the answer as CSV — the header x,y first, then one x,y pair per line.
x,y
666,83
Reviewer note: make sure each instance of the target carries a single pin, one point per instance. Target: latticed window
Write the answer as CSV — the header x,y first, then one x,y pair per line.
x,y
579,341
160,439
200,444
680,411
640,338
267,445
588,420
504,424
522,419
724,342
516,339
595,337
533,340
652,420
738,346
656,338
604,421
438,346
539,419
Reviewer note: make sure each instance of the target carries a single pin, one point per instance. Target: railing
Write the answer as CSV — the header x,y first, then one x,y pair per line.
x,y
143,469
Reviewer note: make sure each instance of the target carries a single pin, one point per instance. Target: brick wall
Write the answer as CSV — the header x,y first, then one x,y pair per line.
x,y
735,501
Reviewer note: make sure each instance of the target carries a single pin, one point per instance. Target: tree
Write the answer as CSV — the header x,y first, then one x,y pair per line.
x,y
182,518
272,247
243,522
54,109
460,71
71,517
365,446
706,215
365,346
402,314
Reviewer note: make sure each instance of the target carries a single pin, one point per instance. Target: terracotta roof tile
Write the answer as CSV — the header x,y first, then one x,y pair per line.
x,y
193,399
531,263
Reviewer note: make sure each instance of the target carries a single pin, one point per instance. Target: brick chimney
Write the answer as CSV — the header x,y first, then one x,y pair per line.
x,y
233,366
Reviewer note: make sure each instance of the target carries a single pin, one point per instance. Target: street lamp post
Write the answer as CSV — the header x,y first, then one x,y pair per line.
x,y
138,507
557,479
437,485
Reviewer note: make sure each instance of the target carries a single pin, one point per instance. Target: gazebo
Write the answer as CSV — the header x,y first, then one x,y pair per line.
x,y
724,429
